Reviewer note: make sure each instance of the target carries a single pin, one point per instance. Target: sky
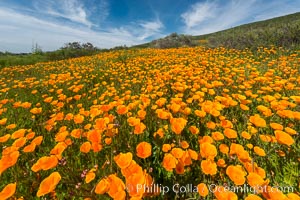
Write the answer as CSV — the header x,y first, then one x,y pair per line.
x,y
108,23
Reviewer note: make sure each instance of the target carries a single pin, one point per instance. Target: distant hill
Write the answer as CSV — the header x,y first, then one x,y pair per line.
x,y
281,31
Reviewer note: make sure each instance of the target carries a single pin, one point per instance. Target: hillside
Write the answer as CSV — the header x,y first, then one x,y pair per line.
x,y
280,31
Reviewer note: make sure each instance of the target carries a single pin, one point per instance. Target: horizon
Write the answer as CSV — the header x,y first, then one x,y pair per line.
x,y
107,24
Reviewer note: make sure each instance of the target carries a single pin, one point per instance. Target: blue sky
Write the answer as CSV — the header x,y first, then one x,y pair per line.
x,y
109,23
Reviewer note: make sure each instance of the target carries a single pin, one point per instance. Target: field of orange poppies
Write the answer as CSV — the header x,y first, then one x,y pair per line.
x,y
186,123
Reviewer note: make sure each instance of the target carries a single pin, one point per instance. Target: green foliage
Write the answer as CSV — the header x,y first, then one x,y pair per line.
x,y
173,40
69,50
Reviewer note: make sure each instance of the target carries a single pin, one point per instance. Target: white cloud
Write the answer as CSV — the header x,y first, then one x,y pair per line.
x,y
21,30
72,10
198,13
150,28
215,16
276,9
212,16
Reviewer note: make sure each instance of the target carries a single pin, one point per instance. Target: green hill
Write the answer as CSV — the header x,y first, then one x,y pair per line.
x,y
280,31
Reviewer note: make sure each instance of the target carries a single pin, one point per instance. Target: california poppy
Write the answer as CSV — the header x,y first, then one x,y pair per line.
x,y
178,124
169,162
236,174
123,159
48,184
143,149
8,191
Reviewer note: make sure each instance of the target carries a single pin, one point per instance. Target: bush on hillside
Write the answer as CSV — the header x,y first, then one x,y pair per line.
x,y
173,40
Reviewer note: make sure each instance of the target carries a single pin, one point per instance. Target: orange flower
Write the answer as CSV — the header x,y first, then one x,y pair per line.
x,y
162,114
244,107
166,147
4,138
108,141
246,135
38,140
61,136
226,124
193,154
236,174
290,131
94,136
230,133
259,151
45,163
200,113
58,149
208,150
179,167
255,180
177,152
36,111
18,134
169,162
178,124
276,126
8,191
139,128
184,144
175,107
194,130
211,125
123,159
113,185
48,184
102,187
217,136
222,193
78,119
143,150
253,197
202,190
205,138
3,121
131,169
293,196
273,194
132,121
284,138
224,148
8,160
258,121
90,175
132,183
160,102
209,167
11,126
122,109
29,148
30,135
69,117
142,114
221,163
96,147
185,159
76,133
48,99
85,147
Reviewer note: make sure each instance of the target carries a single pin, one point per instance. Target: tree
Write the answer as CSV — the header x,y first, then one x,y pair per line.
x,y
36,49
